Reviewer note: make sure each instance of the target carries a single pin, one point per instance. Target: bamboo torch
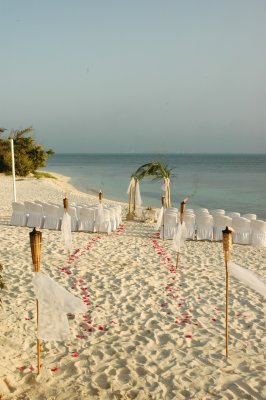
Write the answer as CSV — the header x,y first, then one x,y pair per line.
x,y
227,245
35,244
182,211
65,203
163,204
100,196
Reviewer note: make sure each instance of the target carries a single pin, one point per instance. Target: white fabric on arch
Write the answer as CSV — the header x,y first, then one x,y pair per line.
x,y
179,237
100,216
247,277
54,304
66,231
138,197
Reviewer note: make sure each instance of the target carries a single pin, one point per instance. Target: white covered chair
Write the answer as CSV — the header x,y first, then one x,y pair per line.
x,y
19,216
86,219
51,216
233,214
258,233
251,217
220,223
201,211
242,234
204,227
104,225
189,220
217,211
35,214
169,223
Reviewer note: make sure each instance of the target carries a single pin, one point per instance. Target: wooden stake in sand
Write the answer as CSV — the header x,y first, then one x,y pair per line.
x,y
182,211
35,244
163,204
227,245
100,196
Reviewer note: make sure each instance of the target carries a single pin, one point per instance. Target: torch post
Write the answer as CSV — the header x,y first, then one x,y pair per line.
x,y
163,205
182,210
227,245
100,196
35,244
65,203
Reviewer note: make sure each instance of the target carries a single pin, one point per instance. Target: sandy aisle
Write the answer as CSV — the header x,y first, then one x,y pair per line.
x,y
151,331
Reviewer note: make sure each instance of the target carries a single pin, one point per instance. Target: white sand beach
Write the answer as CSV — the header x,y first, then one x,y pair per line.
x,y
151,331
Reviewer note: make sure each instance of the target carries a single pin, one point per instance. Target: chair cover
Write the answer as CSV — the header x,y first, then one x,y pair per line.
x,y
51,216
19,216
35,211
217,211
168,227
258,233
233,214
102,220
220,223
86,219
242,234
189,220
204,227
251,217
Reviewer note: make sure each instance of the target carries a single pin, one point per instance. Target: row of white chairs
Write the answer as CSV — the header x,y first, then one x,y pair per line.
x,y
202,225
83,217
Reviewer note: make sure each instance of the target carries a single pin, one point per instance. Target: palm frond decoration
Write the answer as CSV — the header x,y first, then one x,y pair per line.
x,y
153,169
156,170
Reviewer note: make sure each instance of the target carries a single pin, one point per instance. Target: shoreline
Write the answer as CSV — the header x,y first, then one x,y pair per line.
x,y
151,330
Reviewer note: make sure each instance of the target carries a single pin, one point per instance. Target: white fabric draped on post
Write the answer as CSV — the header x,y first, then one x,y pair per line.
x,y
179,237
66,231
159,219
131,185
247,277
54,304
138,197
100,217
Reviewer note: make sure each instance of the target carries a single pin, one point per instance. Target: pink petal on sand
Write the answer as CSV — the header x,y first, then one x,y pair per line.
x,y
188,336
54,369
75,354
22,368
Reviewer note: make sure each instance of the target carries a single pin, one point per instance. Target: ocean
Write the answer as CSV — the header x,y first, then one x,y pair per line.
x,y
232,182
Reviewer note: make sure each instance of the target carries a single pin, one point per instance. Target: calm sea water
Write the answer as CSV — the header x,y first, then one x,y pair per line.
x,y
231,182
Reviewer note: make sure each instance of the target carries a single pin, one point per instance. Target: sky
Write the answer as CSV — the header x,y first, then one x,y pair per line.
x,y
125,76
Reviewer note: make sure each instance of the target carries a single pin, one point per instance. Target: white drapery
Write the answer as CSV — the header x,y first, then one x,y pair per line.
x,y
66,231
247,277
179,237
54,304
138,197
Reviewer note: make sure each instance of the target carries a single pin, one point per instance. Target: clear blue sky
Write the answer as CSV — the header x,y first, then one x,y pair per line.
x,y
135,75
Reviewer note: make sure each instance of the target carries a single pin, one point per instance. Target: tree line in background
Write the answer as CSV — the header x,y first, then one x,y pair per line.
x,y
29,156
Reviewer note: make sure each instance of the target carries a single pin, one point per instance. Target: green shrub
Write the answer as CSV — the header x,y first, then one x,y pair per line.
x,y
29,156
